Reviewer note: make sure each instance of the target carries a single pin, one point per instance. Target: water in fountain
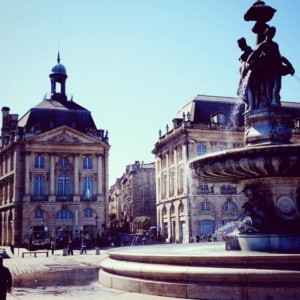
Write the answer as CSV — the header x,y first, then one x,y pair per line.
x,y
233,124
228,228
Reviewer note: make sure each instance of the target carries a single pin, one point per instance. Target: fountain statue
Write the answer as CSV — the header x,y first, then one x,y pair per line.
x,y
268,167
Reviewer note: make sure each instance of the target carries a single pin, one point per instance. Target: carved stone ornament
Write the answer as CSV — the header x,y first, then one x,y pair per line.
x,y
286,208
64,137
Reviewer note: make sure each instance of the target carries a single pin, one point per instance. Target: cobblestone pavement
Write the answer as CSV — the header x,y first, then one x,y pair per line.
x,y
35,267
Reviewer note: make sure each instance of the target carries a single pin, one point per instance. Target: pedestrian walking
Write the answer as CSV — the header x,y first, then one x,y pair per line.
x,y
5,280
52,245
83,246
70,247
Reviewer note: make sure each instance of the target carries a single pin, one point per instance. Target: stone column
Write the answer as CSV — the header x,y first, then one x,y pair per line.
x,y
169,223
185,176
100,175
27,168
3,228
76,182
176,173
158,182
76,177
168,177
105,167
52,178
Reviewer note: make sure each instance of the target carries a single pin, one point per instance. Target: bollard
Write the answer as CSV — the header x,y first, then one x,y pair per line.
x,y
97,251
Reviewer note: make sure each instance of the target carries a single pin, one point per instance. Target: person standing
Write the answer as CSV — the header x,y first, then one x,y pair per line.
x,y
70,247
5,280
83,246
52,246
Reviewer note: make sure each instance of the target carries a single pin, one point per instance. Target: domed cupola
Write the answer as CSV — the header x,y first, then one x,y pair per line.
x,y
58,79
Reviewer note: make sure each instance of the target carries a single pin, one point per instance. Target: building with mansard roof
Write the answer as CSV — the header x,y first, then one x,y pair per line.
x,y
186,207
53,170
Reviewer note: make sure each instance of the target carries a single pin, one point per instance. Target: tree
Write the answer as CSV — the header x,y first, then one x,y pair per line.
x,y
143,222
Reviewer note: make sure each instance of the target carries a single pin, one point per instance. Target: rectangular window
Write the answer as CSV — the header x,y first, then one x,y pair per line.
x,y
87,186
201,149
171,182
39,162
39,185
164,185
87,163
63,185
179,153
180,174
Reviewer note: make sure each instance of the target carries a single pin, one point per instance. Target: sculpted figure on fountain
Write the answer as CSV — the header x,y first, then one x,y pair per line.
x,y
254,218
261,69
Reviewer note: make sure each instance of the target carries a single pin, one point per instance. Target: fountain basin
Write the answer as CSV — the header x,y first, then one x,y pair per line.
x,y
248,163
202,271
269,242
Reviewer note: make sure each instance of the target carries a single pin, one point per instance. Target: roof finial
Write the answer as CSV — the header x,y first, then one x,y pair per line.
x,y
58,58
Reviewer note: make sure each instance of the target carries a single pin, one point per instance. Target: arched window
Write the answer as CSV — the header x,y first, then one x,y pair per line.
x,y
63,184
172,210
88,213
230,206
205,206
164,211
38,214
64,214
181,208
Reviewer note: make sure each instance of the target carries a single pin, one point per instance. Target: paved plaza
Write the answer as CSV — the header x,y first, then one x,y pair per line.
x,y
31,270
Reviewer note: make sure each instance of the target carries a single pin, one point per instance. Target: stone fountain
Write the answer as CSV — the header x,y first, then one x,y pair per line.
x,y
268,168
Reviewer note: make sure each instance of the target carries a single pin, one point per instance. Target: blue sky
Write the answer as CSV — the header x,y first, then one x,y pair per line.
x,y
133,63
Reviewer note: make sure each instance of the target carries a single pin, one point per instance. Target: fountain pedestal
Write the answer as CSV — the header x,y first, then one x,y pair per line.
x,y
273,210
267,127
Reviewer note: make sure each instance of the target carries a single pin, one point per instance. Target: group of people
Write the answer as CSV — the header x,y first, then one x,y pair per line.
x,y
70,246
205,238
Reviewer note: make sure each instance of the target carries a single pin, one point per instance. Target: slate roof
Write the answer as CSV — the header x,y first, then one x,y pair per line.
x,y
202,107
50,114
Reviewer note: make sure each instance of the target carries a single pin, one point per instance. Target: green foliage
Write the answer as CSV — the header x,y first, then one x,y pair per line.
x,y
143,222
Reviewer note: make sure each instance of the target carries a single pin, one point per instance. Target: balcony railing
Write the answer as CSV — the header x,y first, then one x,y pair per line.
x,y
34,198
88,199
64,198
228,190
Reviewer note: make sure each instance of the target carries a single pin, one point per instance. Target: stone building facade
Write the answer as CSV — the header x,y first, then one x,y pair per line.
x,y
185,206
133,195
53,169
